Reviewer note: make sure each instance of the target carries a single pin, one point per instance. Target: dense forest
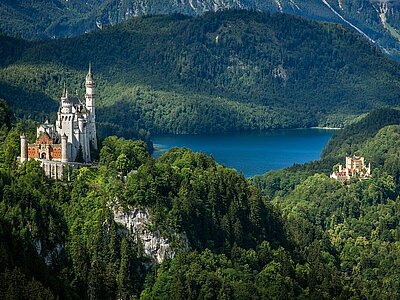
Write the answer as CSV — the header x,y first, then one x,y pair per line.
x,y
361,220
44,19
292,233
221,72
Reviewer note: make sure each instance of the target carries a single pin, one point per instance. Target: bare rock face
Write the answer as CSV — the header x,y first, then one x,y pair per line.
x,y
137,222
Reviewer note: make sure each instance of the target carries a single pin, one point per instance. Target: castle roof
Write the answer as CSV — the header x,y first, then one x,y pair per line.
x,y
89,76
65,92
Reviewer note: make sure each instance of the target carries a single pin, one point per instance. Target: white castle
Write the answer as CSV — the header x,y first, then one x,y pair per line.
x,y
355,168
72,139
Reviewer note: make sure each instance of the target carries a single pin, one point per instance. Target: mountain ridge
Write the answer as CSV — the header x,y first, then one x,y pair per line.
x,y
226,71
379,20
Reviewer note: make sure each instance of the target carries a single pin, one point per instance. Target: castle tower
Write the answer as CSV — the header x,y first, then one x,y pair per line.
x,y
84,139
64,150
90,105
66,105
65,121
66,116
24,149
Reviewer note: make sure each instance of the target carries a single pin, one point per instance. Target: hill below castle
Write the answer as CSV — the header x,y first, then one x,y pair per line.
x,y
185,227
222,72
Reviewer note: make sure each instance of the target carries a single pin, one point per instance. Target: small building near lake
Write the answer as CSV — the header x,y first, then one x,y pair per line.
x,y
355,168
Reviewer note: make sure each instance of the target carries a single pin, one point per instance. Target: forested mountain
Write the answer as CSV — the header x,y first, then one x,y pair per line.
x,y
301,236
229,71
362,219
62,239
350,139
43,19
53,19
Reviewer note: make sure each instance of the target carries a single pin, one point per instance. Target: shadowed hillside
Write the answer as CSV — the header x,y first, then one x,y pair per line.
x,y
223,72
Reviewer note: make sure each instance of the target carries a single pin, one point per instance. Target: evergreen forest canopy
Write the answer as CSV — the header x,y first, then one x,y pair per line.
x,y
44,19
221,72
292,233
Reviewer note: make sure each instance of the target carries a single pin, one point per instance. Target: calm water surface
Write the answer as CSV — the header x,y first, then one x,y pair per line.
x,y
252,153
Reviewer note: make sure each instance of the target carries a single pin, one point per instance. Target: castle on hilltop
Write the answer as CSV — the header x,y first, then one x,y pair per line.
x,y
355,168
71,140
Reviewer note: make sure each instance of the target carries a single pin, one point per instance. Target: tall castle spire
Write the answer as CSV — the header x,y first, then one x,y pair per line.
x,y
89,76
91,107
66,105
65,92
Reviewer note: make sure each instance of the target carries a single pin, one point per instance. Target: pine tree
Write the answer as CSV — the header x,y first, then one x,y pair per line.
x,y
123,274
79,155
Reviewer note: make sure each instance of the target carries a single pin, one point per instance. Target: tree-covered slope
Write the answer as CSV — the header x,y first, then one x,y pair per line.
x,y
378,19
310,238
57,18
374,136
230,71
62,240
350,139
360,219
44,19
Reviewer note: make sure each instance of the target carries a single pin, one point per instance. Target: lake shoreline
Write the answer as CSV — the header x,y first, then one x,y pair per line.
x,y
252,153
325,128
247,132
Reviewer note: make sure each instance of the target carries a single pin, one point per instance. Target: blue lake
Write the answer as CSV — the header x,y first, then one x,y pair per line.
x,y
252,153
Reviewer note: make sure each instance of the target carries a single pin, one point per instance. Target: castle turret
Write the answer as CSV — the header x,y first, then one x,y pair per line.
x,y
66,104
90,105
64,150
24,149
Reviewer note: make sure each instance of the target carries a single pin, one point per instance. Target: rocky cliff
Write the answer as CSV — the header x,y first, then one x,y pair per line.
x,y
155,245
